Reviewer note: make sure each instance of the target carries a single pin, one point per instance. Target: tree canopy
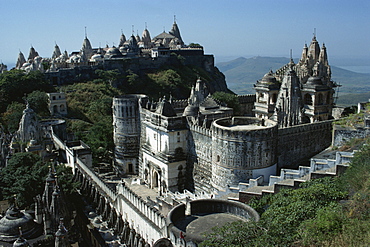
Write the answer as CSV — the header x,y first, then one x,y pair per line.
x,y
15,84
24,176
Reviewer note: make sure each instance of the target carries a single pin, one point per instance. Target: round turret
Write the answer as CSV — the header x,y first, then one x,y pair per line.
x,y
126,131
242,148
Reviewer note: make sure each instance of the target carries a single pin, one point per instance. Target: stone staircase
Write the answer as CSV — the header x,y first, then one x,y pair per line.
x,y
327,163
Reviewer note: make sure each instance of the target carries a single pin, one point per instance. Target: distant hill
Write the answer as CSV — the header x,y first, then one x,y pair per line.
x,y
242,73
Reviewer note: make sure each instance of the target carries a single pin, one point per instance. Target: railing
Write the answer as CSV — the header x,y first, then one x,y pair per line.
x,y
147,211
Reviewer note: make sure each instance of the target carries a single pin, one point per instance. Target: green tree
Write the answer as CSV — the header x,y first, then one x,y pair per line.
x,y
195,45
65,179
23,176
132,78
235,234
100,108
328,222
82,95
109,77
14,84
231,100
38,101
12,116
100,139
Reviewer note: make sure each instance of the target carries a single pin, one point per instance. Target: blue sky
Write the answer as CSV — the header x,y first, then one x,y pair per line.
x,y
226,28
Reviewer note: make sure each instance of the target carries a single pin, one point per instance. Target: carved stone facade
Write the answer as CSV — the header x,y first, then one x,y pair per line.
x,y
298,93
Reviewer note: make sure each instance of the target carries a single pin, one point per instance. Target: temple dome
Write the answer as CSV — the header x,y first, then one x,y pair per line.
x,y
97,57
269,78
314,80
14,218
113,52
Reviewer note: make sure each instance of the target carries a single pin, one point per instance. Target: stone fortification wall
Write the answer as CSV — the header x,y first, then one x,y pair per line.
x,y
341,135
240,146
71,75
199,158
246,103
188,51
299,143
126,132
139,65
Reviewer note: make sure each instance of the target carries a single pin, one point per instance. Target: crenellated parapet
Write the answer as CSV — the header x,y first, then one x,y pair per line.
x,y
300,142
247,98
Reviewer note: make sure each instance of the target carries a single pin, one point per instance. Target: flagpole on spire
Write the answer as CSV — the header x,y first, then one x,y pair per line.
x,y
85,32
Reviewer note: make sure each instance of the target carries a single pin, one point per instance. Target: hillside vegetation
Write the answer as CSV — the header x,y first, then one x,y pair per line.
x,y
324,212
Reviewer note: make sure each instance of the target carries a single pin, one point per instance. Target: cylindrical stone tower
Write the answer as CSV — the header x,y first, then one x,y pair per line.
x,y
126,132
242,148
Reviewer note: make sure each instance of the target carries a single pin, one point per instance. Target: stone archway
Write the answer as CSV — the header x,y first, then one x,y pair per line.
x,y
55,109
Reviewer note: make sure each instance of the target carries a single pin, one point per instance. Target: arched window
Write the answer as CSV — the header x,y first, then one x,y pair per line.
x,y
155,179
307,99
